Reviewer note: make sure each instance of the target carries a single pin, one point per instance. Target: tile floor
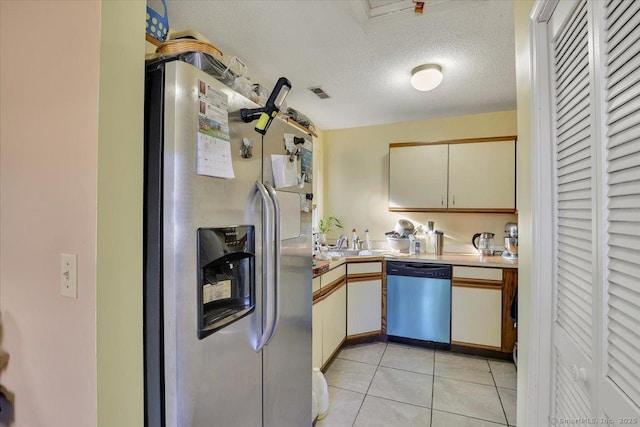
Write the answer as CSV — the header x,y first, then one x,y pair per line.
x,y
389,385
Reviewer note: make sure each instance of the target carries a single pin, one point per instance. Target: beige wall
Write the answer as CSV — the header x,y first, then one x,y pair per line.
x,y
71,177
356,167
48,137
522,8
120,178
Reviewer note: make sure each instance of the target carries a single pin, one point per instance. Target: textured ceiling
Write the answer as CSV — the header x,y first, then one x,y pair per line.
x,y
364,61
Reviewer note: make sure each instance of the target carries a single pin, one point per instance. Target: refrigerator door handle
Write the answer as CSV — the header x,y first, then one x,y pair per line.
x,y
276,259
267,255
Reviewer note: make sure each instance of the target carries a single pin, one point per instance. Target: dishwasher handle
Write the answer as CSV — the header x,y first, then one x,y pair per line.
x,y
421,266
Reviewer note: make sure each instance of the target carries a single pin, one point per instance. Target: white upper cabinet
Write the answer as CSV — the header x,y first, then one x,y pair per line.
x,y
417,177
482,175
474,175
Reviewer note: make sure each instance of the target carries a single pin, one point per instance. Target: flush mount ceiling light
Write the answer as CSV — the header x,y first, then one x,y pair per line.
x,y
426,77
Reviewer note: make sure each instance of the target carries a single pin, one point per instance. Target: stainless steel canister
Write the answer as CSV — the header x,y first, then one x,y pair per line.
x,y
439,243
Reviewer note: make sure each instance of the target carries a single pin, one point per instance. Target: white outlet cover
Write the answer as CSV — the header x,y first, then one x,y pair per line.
x,y
69,275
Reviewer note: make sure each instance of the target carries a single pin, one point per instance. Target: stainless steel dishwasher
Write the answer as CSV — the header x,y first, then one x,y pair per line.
x,y
419,301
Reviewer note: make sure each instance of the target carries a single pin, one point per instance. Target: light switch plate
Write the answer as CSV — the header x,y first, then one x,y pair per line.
x,y
69,275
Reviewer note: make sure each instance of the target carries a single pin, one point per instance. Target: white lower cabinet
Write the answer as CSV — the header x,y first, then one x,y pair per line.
x,y
364,298
316,355
329,314
476,316
364,306
334,321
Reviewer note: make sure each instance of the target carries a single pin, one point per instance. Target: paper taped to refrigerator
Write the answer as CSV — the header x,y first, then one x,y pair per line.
x,y
213,113
307,161
214,147
285,172
214,157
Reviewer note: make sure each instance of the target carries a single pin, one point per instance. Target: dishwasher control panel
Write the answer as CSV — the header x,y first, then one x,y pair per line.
x,y
417,269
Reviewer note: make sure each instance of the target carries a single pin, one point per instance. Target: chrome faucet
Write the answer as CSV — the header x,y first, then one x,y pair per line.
x,y
341,241
355,243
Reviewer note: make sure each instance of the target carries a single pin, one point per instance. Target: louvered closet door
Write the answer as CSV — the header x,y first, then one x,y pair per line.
x,y
575,260
619,389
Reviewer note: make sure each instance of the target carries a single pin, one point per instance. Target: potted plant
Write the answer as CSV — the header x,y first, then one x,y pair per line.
x,y
325,226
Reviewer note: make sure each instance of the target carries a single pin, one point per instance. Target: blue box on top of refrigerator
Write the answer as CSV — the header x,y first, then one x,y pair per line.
x,y
227,257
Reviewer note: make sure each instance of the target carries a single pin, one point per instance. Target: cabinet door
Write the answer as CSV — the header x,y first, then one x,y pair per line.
x,y
316,354
482,175
334,321
418,177
364,306
364,268
476,316
333,275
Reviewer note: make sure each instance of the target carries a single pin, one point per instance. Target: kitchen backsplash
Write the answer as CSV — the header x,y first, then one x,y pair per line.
x,y
458,228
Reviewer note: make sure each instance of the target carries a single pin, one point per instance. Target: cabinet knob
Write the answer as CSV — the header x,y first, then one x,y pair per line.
x,y
441,200
454,200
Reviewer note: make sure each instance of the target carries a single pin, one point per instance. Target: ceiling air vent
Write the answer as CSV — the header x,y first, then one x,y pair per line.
x,y
320,92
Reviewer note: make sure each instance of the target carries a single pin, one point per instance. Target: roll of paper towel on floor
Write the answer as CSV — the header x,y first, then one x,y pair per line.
x,y
321,391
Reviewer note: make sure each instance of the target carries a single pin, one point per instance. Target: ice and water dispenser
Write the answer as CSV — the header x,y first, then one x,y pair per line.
x,y
226,276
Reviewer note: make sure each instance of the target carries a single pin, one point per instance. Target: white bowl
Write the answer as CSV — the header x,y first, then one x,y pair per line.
x,y
404,226
399,244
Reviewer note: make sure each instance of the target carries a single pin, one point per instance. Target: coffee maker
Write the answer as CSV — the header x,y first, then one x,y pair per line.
x,y
510,241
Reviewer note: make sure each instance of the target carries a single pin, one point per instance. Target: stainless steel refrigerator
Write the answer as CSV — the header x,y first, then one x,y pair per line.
x,y
227,258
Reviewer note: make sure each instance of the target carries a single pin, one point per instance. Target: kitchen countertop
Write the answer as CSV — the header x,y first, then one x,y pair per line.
x,y
474,260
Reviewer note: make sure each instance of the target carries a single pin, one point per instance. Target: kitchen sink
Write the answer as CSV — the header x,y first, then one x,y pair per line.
x,y
353,252
345,252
